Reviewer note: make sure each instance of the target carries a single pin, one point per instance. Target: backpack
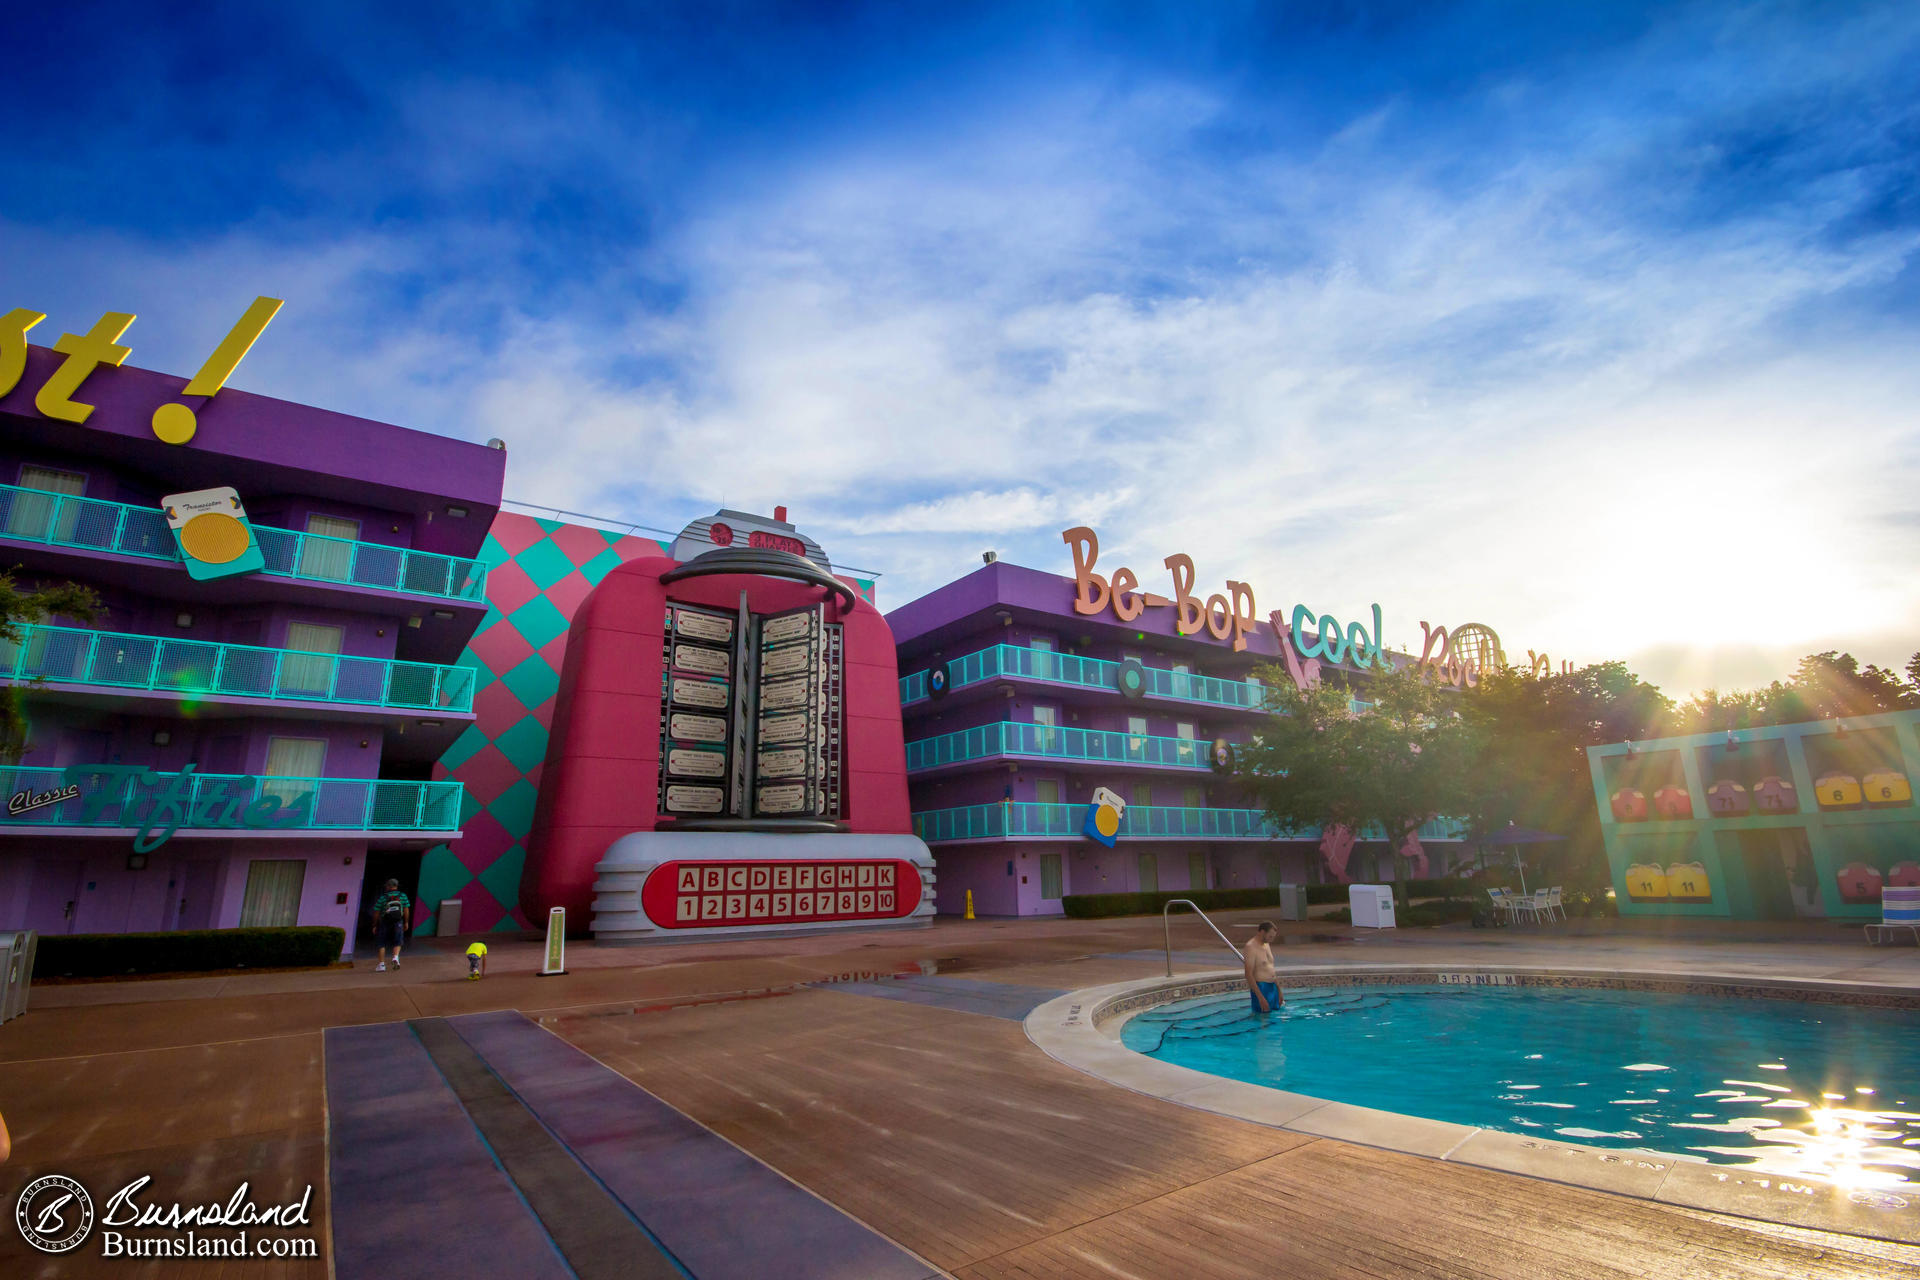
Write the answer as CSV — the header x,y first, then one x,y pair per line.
x,y
395,907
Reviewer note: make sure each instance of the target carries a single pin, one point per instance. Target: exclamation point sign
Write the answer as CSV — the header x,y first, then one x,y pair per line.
x,y
175,423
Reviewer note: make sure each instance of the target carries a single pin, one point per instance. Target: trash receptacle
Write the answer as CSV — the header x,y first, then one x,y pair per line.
x,y
1372,905
446,921
16,971
1293,902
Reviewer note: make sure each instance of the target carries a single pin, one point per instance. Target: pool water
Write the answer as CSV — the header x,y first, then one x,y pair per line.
x,y
1821,1090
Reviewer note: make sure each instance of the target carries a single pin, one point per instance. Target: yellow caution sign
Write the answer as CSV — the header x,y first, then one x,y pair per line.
x,y
969,904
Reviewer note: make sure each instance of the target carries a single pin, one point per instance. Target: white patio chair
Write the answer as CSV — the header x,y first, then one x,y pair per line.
x,y
1505,900
1555,903
1543,904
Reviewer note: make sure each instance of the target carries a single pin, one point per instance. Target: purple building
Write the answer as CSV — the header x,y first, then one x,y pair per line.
x,y
1018,709
247,736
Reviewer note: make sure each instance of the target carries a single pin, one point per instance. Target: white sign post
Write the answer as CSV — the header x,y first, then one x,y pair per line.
x,y
556,943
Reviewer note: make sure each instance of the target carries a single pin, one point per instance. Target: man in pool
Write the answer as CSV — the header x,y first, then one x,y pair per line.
x,y
1262,981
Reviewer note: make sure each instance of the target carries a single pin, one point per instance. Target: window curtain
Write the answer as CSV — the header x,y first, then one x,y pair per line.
x,y
273,893
300,758
320,558
30,515
307,671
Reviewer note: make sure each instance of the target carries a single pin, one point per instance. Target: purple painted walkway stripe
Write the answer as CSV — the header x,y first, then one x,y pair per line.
x,y
722,1213
402,1152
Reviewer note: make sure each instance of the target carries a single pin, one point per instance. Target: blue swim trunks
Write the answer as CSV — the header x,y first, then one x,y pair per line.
x,y
1271,990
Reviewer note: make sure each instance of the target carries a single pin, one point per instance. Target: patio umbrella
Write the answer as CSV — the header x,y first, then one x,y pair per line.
x,y
1513,836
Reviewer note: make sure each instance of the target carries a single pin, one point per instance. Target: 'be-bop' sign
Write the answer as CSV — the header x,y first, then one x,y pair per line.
x,y
1223,616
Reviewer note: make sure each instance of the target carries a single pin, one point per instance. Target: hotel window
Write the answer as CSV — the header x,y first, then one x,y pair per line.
x,y
1142,794
1046,733
310,670
293,758
31,515
1182,680
1137,738
321,556
1197,870
1050,815
273,893
1193,797
1149,873
1183,730
1049,877
1045,665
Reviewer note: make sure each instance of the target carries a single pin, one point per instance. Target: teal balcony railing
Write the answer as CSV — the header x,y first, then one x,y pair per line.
x,y
129,796
1011,821
1014,738
1019,821
1006,660
88,524
113,660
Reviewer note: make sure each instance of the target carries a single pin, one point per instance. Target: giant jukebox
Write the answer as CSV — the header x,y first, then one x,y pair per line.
x,y
726,754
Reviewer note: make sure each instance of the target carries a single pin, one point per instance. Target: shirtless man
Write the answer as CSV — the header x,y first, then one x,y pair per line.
x,y
1262,981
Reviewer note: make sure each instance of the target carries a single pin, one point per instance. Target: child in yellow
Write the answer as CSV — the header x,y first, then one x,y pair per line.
x,y
476,961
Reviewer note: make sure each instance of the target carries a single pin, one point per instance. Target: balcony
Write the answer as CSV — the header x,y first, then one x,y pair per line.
x,y
1019,821
87,524
1006,661
113,661
1013,738
130,798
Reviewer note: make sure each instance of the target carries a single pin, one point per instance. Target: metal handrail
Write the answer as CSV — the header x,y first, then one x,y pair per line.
x,y
171,664
92,524
1166,920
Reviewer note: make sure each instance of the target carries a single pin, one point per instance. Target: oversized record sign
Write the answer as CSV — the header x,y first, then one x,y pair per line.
x,y
697,895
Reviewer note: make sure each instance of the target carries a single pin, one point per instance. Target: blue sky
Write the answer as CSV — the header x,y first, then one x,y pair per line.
x,y
1599,328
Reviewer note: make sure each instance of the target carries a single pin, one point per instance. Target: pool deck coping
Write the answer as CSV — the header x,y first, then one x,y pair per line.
x,y
1081,1029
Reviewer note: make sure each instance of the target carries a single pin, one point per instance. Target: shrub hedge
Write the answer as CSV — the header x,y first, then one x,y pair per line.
x,y
1420,915
1092,906
95,955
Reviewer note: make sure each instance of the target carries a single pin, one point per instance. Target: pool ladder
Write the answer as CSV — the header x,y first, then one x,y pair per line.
x,y
1166,920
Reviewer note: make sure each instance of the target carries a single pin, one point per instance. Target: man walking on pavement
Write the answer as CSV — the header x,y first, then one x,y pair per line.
x,y
390,913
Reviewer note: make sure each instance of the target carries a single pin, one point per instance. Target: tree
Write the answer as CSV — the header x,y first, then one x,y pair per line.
x,y
21,607
1390,768
1824,685
1533,734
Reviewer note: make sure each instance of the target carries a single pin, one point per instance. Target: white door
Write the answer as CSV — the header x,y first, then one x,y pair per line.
x,y
306,671
321,556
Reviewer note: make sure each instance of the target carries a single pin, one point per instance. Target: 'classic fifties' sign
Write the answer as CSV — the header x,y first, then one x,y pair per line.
x,y
158,804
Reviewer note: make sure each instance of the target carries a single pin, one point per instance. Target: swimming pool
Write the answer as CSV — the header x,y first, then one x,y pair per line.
x,y
1795,1087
